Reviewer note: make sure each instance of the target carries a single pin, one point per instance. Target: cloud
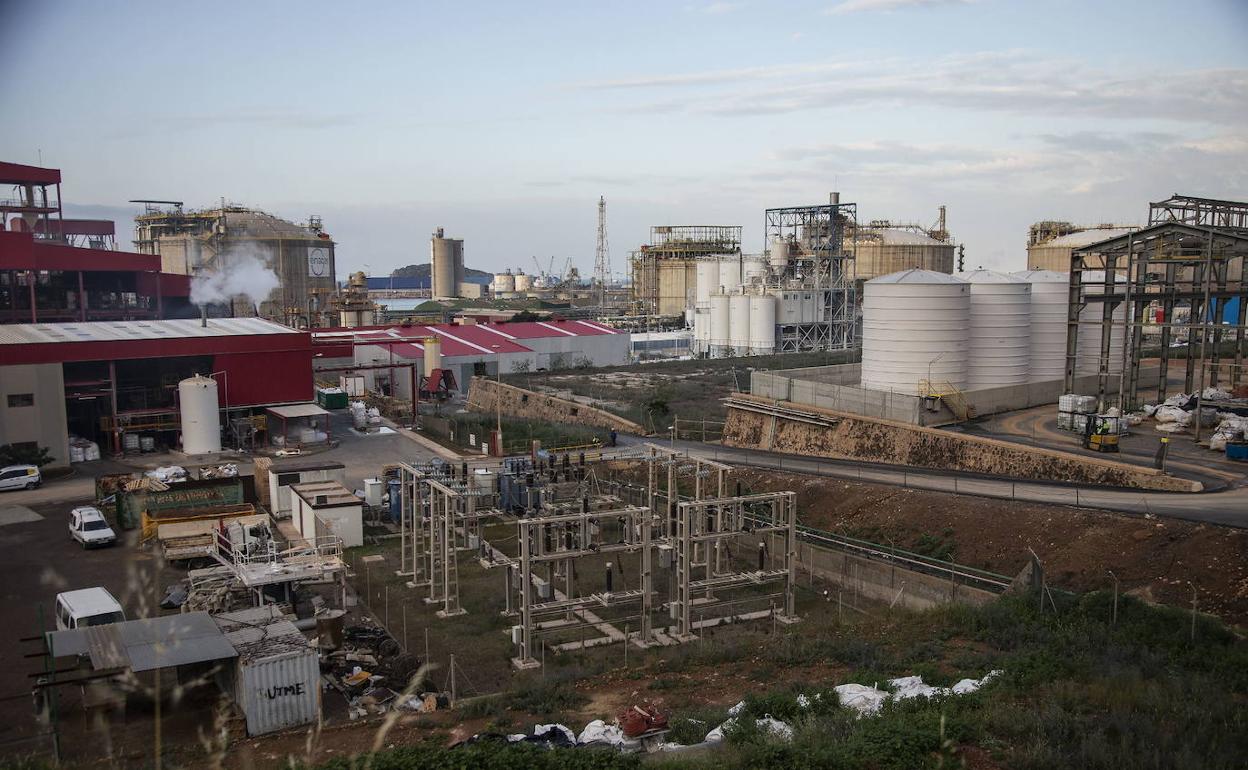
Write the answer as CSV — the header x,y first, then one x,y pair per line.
x,y
859,6
1017,82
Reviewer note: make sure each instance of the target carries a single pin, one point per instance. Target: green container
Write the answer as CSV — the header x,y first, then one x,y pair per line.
x,y
335,398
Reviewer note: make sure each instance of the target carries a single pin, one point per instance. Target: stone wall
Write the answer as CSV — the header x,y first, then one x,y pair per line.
x,y
486,395
825,433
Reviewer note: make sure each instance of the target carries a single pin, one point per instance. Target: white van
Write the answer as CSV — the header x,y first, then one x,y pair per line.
x,y
87,607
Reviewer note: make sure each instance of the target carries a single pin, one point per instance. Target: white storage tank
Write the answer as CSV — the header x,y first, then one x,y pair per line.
x,y
1000,352
522,282
504,282
1049,297
701,329
1088,353
720,327
762,324
730,274
755,268
915,326
706,281
201,419
739,323
778,254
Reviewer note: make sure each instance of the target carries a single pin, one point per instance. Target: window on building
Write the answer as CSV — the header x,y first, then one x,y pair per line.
x,y
286,479
21,399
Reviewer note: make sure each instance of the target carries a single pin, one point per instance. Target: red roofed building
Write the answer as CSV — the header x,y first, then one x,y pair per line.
x,y
54,269
469,350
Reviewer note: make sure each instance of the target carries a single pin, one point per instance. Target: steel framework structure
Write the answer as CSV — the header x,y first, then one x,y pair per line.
x,y
824,265
677,242
1195,252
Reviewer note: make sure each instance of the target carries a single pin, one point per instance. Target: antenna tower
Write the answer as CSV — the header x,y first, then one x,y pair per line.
x,y
602,256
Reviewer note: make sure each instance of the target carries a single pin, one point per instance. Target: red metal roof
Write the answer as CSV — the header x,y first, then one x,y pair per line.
x,y
16,173
20,251
466,339
529,330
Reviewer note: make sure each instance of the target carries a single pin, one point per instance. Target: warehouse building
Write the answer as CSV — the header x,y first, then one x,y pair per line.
x,y
105,380
392,358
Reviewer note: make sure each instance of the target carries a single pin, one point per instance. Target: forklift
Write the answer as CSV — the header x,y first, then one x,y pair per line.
x,y
1100,433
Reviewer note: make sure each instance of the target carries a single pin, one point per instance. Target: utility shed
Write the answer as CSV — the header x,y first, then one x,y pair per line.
x,y
275,680
147,644
283,474
325,508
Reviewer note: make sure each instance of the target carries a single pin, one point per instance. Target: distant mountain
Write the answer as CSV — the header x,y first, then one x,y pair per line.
x,y
422,271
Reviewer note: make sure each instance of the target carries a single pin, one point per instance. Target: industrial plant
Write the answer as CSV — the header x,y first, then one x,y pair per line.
x,y
418,493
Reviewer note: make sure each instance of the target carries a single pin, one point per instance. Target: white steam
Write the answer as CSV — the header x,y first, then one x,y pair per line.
x,y
239,272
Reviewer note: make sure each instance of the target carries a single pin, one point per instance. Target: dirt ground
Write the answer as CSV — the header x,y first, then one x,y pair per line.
x,y
1154,558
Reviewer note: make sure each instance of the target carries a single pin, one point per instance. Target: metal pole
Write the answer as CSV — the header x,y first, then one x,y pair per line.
x,y
1114,621
1204,336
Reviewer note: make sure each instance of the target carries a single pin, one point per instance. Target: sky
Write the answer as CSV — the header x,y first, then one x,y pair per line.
x,y
503,122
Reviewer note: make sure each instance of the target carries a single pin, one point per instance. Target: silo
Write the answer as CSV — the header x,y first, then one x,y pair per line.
x,y
201,424
779,254
446,264
915,327
1054,253
720,338
1050,295
739,323
1000,330
762,324
707,281
1088,353
754,267
522,282
730,273
883,250
701,328
433,354
504,283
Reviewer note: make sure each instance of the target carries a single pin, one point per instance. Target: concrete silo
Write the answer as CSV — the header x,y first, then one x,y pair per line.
x,y
1049,244
446,264
883,250
915,328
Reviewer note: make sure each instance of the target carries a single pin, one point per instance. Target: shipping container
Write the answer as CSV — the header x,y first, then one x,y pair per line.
x,y
276,679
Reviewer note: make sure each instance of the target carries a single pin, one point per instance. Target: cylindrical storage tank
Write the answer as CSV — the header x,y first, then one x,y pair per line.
x,y
1000,352
779,254
1091,318
701,329
739,324
882,251
433,354
706,281
446,257
1054,254
1050,294
504,282
754,267
201,423
915,327
720,327
730,273
762,324
522,282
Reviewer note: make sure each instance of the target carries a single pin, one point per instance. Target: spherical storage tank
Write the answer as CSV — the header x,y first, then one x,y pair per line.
x,y
739,323
1049,297
1091,318
720,330
915,325
762,324
201,426
1000,351
706,281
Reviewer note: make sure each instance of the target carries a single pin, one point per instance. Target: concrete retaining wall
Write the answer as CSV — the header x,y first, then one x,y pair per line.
x,y
836,388
829,433
486,395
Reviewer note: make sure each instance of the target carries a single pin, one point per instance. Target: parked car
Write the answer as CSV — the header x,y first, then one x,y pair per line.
x,y
20,477
87,607
89,527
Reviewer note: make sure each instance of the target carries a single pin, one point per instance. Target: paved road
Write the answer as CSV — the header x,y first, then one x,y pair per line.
x,y
1228,506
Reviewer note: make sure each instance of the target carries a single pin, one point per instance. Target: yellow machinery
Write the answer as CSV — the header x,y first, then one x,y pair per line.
x,y
1101,434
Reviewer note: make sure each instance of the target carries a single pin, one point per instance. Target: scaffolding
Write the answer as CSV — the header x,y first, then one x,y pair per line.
x,y
1193,253
818,258
664,270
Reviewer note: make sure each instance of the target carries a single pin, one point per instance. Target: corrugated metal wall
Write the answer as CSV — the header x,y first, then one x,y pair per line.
x,y
279,692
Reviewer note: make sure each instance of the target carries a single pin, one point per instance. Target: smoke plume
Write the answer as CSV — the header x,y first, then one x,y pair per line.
x,y
239,271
